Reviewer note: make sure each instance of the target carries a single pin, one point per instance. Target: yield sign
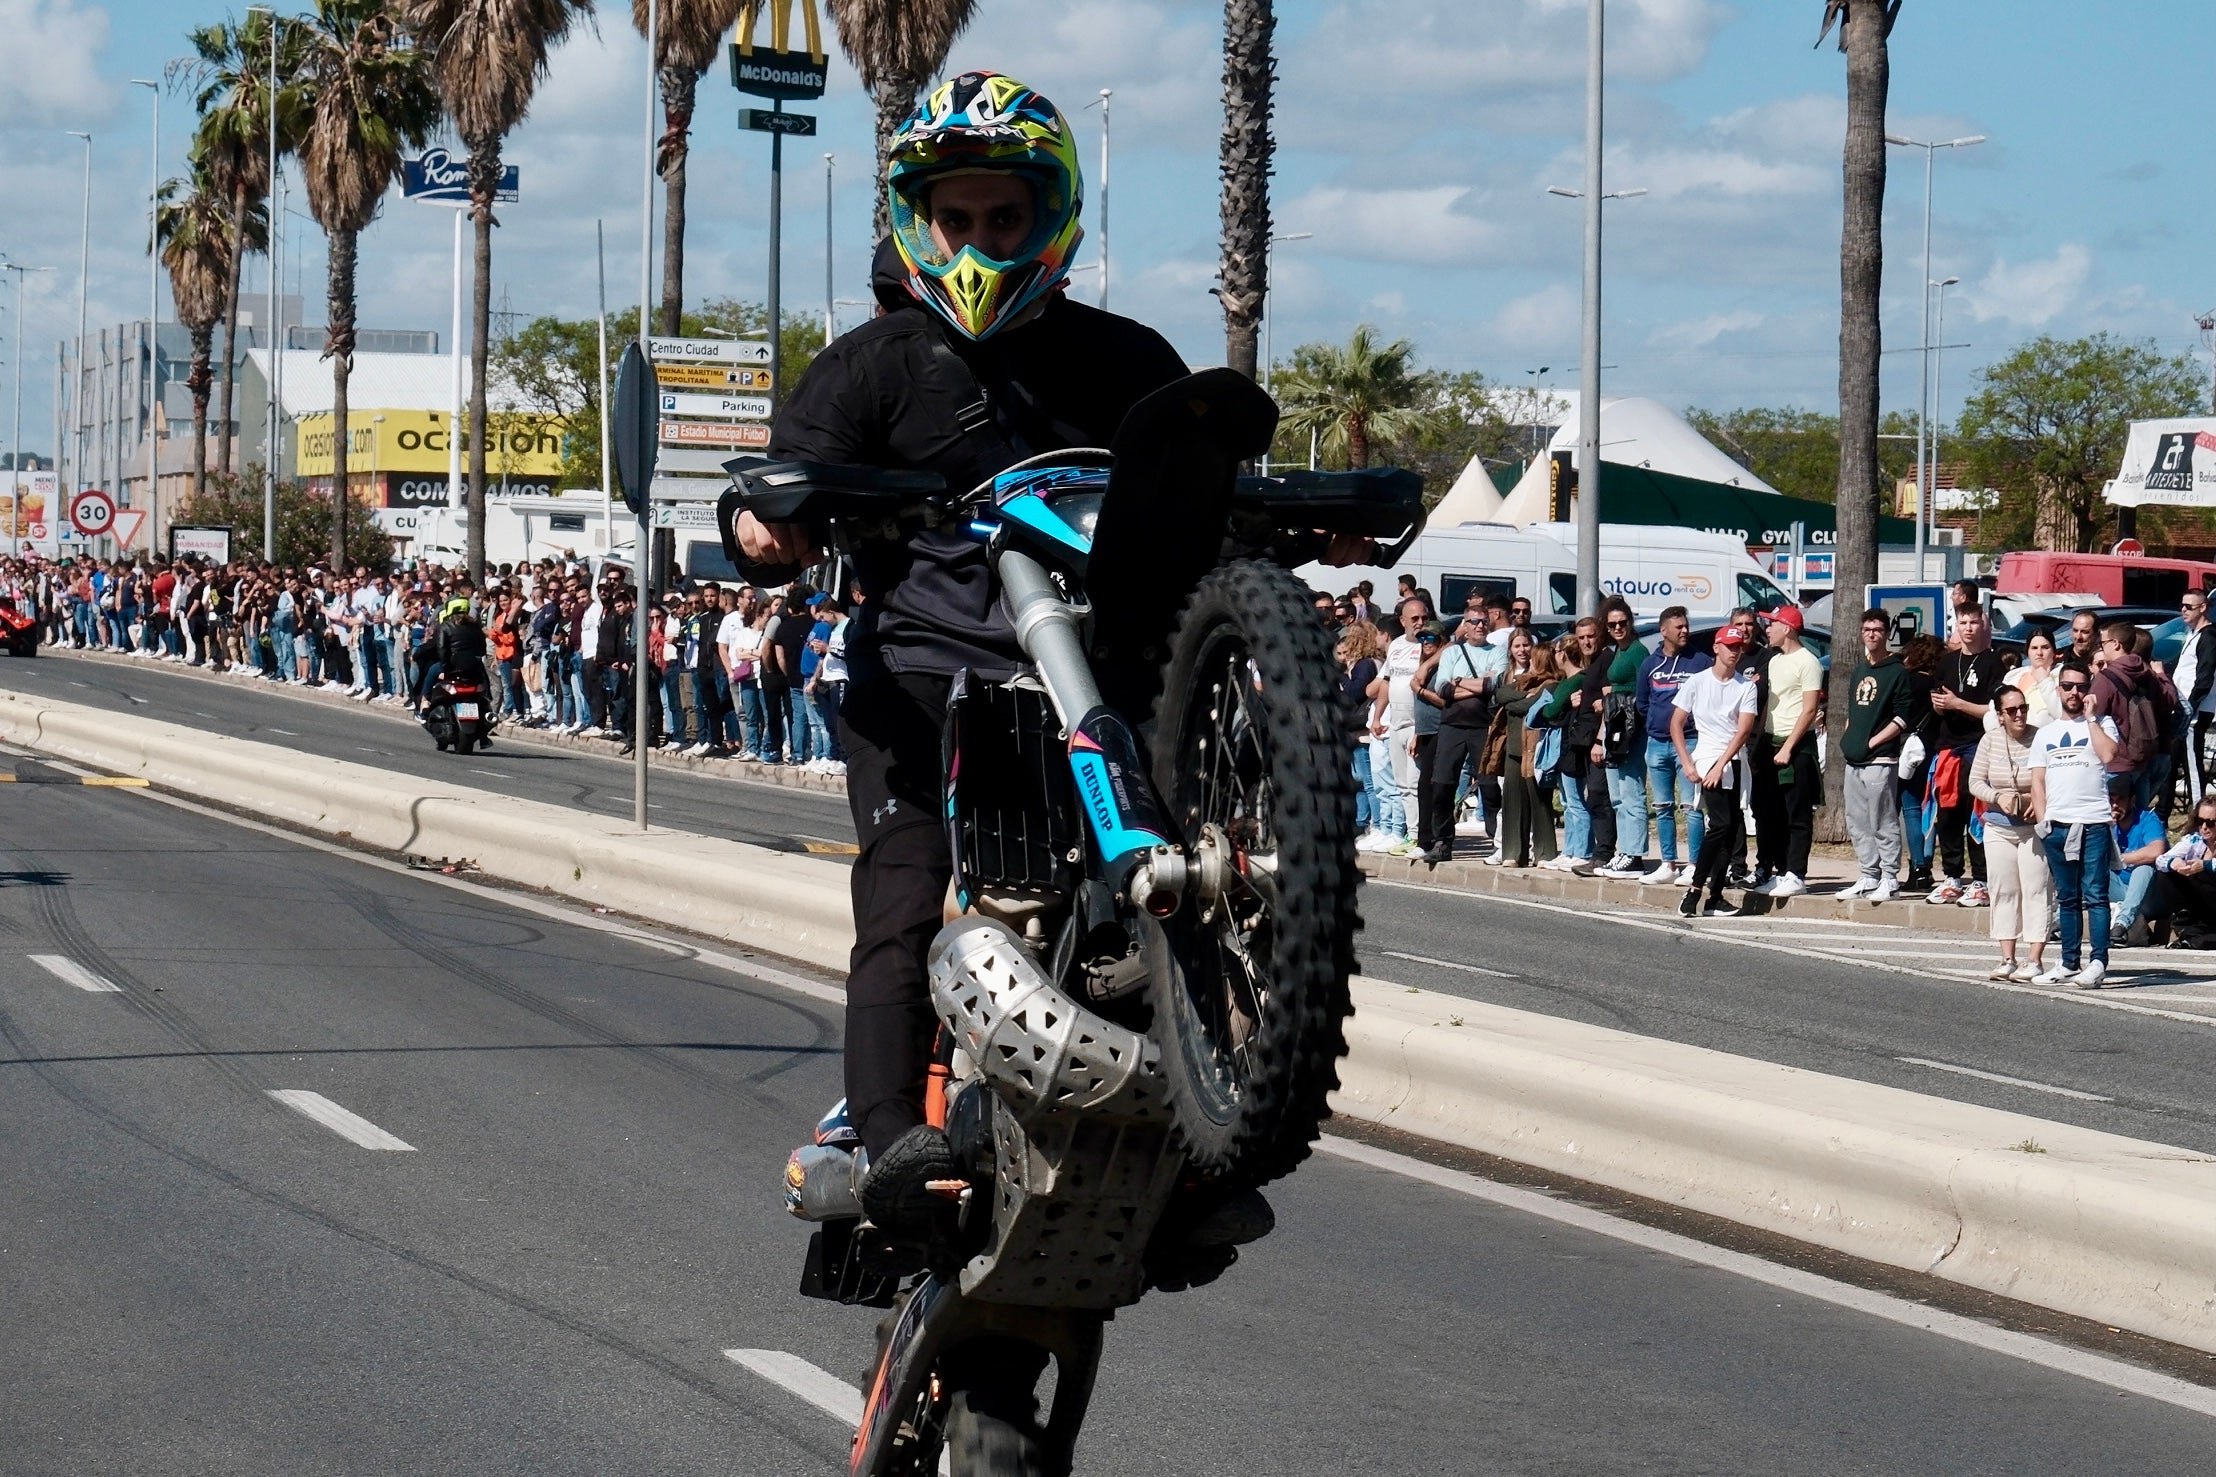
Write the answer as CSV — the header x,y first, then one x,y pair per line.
x,y
128,522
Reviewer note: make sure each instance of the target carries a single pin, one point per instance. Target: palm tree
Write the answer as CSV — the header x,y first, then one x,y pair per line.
x,y
1352,398
898,46
1864,27
1249,73
230,66
687,36
368,89
199,249
489,56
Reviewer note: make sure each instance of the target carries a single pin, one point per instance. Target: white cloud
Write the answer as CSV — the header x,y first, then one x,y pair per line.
x,y
2032,293
1543,320
1701,332
49,69
1409,226
1455,47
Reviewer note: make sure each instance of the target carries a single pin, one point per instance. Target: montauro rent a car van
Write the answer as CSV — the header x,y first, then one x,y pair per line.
x,y
1652,567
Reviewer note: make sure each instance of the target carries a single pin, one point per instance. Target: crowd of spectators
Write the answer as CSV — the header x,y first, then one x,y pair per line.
x,y
2041,789
735,671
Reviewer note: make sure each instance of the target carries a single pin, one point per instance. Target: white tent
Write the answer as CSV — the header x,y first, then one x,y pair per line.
x,y
1472,499
1636,433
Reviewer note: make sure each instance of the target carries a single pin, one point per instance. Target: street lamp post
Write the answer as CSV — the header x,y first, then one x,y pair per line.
x,y
1588,410
1100,212
276,349
15,435
153,302
1269,319
1927,509
641,535
830,283
77,391
1923,397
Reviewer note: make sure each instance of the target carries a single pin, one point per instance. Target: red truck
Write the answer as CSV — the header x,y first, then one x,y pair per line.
x,y
2116,579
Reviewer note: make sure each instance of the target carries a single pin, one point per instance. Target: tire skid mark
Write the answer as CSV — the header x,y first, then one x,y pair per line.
x,y
806,1435
375,910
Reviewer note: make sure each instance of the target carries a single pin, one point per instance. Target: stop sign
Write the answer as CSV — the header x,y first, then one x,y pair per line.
x,y
2129,548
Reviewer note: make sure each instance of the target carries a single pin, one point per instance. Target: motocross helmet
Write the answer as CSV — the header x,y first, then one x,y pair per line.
x,y
980,122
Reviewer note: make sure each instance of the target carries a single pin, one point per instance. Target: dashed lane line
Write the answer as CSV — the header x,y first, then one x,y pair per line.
x,y
2004,1079
812,1383
1498,974
70,972
351,1126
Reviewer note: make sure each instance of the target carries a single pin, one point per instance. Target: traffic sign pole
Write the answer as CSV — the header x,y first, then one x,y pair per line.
x,y
776,256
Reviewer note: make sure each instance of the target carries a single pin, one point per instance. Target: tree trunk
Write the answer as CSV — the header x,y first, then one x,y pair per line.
x,y
896,99
231,323
1358,441
338,347
679,85
1861,275
484,182
1248,74
198,381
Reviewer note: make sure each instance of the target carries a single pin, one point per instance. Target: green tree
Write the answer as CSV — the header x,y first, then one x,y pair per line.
x,y
1354,397
1797,451
2046,426
367,88
552,364
1459,418
490,56
303,531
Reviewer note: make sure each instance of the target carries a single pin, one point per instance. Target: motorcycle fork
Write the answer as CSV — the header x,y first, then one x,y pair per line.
x,y
933,1320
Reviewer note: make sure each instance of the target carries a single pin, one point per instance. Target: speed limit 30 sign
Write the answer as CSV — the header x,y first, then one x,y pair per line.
x,y
92,512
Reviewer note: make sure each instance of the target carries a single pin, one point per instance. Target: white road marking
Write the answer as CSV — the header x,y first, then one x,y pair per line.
x,y
288,733
1795,924
1498,974
2098,1000
2083,1097
70,972
496,774
2095,1368
139,700
819,1387
351,1126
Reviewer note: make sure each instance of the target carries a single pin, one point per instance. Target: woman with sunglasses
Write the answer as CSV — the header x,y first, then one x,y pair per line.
x,y
1527,820
1566,708
2015,862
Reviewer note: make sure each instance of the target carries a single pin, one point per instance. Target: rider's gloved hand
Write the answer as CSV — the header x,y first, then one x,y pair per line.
x,y
778,543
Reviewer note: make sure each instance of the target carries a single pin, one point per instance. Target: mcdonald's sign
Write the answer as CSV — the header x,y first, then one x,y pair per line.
x,y
776,70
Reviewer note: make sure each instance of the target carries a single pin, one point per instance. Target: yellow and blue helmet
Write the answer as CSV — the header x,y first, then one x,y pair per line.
x,y
985,121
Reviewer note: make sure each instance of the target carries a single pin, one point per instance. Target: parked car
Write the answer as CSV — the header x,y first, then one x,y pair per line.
x,y
2058,618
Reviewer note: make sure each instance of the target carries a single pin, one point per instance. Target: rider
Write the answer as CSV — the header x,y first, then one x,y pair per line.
x,y
457,647
977,361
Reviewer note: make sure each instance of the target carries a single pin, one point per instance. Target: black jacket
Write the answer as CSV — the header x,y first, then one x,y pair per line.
x,y
2204,667
881,396
459,646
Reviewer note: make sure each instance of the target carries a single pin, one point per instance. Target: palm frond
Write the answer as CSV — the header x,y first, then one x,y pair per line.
x,y
489,56
900,41
689,33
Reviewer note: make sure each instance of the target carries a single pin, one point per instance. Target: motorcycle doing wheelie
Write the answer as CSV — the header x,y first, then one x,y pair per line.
x,y
1143,985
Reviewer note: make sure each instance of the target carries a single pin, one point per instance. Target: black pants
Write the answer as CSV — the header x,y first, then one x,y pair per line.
x,y
1458,748
1725,832
889,728
1601,808
1427,748
1952,825
596,692
2193,896
774,709
1785,800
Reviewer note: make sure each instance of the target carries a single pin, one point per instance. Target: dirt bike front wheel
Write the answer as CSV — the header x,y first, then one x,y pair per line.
x,y
1252,760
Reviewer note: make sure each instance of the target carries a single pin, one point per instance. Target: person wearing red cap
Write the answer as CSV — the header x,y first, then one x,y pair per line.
x,y
1788,783
1720,707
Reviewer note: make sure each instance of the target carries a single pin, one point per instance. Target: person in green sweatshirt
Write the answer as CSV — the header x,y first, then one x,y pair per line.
x,y
1878,706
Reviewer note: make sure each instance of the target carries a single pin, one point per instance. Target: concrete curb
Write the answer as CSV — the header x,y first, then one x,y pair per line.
x,y
1468,874
726,889
2104,1227
2087,1223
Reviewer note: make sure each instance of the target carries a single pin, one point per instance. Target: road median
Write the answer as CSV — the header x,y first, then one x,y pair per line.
x,y
2087,1223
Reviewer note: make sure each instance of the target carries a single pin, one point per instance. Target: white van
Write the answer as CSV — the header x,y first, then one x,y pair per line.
x,y
1652,567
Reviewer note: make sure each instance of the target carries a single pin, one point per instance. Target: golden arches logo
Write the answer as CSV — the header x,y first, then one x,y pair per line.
x,y
780,27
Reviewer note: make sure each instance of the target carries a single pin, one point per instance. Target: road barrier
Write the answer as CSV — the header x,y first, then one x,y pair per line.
x,y
2087,1223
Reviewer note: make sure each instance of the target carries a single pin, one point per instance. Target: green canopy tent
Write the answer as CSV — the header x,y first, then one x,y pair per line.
x,y
1758,519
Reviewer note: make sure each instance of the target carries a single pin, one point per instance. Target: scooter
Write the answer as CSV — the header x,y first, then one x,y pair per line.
x,y
458,715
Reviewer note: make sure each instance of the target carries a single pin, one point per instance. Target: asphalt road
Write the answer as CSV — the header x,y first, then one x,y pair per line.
x,y
198,1278
1880,1003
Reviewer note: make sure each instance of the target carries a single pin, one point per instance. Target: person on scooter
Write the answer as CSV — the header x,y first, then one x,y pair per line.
x,y
977,361
456,649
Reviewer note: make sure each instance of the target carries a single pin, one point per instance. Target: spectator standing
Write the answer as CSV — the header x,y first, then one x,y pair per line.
x,y
1714,717
1498,623
1676,796
2122,690
2035,679
776,683
1920,656
2015,863
828,689
1468,671
2085,638
2195,680
739,639
1358,653
1526,834
1788,782
1423,744
2069,798
1620,752
1396,715
1879,708
1565,709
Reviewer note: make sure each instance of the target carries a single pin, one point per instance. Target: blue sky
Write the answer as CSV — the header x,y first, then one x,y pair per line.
x,y
1417,138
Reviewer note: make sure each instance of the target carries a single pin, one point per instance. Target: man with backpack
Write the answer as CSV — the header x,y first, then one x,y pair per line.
x,y
2128,692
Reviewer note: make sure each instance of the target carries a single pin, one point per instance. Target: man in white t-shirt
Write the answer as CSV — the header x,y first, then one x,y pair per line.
x,y
1720,707
1402,658
2069,800
739,641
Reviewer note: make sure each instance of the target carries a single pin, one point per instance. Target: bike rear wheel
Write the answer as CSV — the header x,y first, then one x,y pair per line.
x,y
1251,758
